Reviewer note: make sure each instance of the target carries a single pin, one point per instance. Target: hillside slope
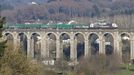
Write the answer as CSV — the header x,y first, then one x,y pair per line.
x,y
18,10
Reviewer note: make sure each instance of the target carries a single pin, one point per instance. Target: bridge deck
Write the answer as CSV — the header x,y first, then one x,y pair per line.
x,y
70,30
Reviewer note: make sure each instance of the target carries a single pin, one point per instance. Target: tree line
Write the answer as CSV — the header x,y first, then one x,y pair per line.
x,y
62,10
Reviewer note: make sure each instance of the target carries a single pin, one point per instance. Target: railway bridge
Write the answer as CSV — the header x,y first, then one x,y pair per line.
x,y
38,42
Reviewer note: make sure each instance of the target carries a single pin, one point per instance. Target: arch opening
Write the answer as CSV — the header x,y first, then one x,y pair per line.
x,y
9,37
36,45
51,45
94,44
125,46
65,45
79,45
23,42
109,44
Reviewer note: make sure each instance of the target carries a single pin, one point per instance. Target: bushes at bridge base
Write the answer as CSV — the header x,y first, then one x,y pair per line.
x,y
16,63
99,65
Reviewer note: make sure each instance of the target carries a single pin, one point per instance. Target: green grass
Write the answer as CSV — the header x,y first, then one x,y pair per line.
x,y
125,72
127,69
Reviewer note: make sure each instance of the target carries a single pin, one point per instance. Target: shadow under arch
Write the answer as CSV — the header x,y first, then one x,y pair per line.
x,y
79,41
9,38
23,42
36,45
125,47
108,43
93,43
65,45
51,45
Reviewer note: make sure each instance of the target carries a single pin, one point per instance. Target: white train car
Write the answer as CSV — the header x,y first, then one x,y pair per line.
x,y
103,25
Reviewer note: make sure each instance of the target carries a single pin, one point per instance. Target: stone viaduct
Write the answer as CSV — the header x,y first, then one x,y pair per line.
x,y
86,33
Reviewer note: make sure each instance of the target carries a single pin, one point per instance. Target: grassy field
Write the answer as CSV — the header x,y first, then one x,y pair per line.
x,y
128,70
125,72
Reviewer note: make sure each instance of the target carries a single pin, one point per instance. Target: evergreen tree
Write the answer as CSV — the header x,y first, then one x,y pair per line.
x,y
2,43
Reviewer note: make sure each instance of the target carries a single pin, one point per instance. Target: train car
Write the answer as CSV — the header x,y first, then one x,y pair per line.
x,y
80,26
103,26
65,26
43,26
57,26
22,26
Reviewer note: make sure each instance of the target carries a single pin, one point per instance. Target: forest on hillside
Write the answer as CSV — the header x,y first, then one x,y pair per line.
x,y
63,10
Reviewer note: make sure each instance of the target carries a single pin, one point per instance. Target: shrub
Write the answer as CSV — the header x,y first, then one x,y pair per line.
x,y
98,65
16,63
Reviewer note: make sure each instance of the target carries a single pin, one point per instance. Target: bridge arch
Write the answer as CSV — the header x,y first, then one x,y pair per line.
x,y
65,33
51,38
35,33
5,33
55,34
125,46
22,33
93,33
108,33
93,43
65,45
79,43
22,41
9,37
125,33
83,34
36,44
108,43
